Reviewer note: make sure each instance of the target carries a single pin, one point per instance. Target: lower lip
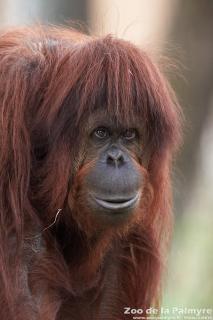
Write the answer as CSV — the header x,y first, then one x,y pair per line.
x,y
117,206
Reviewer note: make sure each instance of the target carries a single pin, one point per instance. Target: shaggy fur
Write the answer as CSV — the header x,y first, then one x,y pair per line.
x,y
60,265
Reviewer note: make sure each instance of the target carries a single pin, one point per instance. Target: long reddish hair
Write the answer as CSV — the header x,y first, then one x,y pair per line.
x,y
51,79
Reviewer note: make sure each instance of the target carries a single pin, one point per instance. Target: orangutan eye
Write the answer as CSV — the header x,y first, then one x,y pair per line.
x,y
101,133
130,134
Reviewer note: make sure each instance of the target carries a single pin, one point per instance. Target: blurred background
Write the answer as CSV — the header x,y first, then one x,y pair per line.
x,y
183,31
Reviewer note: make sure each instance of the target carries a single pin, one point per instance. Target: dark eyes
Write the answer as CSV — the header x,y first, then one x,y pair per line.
x,y
129,134
102,133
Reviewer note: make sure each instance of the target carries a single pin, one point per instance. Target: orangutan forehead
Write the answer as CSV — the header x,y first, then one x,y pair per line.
x,y
102,117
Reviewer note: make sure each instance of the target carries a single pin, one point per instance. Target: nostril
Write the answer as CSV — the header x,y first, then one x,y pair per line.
x,y
110,159
115,157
